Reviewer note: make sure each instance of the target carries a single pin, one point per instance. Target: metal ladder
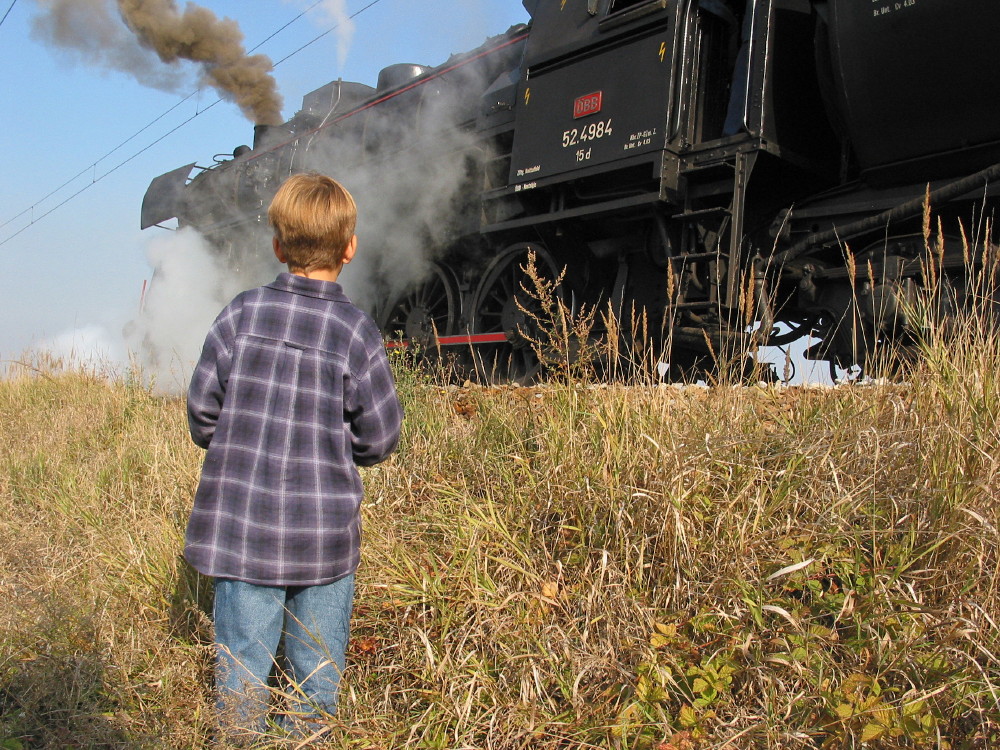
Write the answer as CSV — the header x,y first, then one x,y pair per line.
x,y
711,224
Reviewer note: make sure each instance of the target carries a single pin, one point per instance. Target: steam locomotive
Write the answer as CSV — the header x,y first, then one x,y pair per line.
x,y
727,172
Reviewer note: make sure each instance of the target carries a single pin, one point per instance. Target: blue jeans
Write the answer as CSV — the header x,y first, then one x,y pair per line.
x,y
249,622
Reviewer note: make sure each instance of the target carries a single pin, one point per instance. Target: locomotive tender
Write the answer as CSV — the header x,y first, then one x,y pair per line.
x,y
700,164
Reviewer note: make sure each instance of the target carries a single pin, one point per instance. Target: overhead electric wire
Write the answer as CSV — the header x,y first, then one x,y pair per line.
x,y
331,29
12,4
132,137
157,119
91,166
145,127
113,169
274,34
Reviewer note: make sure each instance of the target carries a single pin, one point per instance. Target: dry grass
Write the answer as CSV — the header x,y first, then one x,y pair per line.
x,y
101,641
568,566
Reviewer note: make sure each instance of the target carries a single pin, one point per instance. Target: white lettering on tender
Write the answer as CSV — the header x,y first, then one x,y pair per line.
x,y
640,139
592,132
885,8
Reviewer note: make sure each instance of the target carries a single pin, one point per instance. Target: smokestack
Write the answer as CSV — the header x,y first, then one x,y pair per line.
x,y
259,135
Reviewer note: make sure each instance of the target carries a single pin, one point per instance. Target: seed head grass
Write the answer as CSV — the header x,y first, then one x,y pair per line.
x,y
574,565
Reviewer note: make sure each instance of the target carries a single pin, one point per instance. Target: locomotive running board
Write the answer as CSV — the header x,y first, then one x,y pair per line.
x,y
465,340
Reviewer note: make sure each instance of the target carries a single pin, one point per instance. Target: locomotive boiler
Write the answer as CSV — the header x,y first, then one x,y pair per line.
x,y
727,172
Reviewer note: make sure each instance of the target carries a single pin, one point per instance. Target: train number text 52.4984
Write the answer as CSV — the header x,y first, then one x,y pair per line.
x,y
591,132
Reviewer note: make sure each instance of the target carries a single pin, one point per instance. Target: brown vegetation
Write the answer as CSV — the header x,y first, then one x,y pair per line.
x,y
568,566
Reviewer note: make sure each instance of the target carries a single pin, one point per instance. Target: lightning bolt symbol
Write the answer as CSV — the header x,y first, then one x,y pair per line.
x,y
663,50
527,96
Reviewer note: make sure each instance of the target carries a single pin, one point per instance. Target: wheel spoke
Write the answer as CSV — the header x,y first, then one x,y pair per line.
x,y
431,306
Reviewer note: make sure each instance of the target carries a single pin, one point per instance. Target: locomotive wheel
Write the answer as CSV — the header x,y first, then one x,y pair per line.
x,y
500,304
424,310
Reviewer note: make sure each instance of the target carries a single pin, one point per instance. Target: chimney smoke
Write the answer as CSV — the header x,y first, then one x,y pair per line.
x,y
199,35
91,29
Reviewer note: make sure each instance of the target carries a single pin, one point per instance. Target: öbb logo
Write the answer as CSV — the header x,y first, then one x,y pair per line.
x,y
588,105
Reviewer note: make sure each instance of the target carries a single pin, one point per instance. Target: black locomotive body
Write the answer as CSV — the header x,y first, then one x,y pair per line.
x,y
723,170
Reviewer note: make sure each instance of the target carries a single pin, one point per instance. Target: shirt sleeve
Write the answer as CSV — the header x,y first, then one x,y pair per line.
x,y
372,409
208,383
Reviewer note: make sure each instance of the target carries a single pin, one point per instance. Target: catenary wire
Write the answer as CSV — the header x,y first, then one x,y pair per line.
x,y
110,171
137,133
94,164
145,127
12,4
328,31
165,135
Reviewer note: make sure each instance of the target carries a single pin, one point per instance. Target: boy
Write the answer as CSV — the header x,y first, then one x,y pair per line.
x,y
292,392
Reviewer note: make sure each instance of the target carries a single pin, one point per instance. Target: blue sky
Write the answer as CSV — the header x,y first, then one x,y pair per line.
x,y
76,275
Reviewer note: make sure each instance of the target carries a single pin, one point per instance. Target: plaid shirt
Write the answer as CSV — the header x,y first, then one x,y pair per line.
x,y
293,391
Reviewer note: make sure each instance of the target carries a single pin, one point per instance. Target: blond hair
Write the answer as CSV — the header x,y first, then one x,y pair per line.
x,y
313,217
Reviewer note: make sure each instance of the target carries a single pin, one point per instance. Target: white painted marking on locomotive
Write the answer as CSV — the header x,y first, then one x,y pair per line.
x,y
592,132
640,139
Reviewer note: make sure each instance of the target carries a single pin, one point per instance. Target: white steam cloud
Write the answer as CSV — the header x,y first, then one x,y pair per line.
x,y
413,196
417,193
191,284
410,196
406,212
331,15
406,216
339,19
90,347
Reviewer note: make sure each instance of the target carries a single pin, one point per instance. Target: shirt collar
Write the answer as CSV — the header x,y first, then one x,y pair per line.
x,y
328,290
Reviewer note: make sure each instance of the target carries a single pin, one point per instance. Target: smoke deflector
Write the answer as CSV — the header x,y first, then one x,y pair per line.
x,y
163,197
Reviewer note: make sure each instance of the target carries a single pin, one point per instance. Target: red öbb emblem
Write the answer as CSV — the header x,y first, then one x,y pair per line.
x,y
588,105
